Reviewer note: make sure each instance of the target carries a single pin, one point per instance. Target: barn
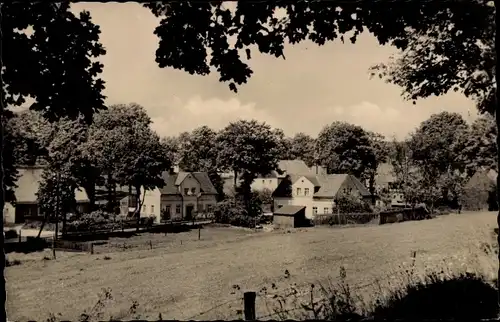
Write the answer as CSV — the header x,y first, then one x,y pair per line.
x,y
289,217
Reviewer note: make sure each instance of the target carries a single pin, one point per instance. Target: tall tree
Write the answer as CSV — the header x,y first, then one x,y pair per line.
x,y
67,153
381,152
126,151
53,64
249,149
436,147
345,148
480,149
303,148
198,152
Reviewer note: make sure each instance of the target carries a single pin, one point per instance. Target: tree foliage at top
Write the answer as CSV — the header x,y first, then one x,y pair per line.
x,y
125,149
302,147
49,54
448,55
249,149
188,30
345,148
480,149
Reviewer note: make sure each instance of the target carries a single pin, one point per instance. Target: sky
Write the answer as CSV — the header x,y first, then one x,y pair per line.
x,y
313,87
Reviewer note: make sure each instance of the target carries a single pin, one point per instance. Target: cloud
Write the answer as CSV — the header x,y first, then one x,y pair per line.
x,y
387,120
214,112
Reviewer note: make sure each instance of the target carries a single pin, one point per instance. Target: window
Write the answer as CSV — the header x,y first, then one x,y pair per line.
x,y
326,210
152,209
315,210
209,208
178,209
270,181
193,191
345,190
350,190
279,206
306,191
263,181
186,191
299,191
167,210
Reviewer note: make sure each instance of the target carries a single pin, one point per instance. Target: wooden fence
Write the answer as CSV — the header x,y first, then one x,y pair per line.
x,y
346,219
71,246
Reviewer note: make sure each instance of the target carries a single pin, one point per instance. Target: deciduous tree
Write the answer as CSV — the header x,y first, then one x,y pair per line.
x,y
303,148
249,149
480,149
345,148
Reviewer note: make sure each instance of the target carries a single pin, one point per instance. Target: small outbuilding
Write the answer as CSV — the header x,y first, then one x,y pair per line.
x,y
289,217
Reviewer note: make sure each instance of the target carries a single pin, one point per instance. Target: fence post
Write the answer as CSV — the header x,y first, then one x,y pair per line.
x,y
20,235
150,244
91,248
199,232
249,305
54,248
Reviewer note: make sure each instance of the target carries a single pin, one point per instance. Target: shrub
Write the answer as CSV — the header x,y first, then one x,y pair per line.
x,y
348,204
11,233
95,220
233,213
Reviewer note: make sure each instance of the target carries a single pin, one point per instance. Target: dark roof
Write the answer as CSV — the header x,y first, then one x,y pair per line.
x,y
328,184
288,210
172,181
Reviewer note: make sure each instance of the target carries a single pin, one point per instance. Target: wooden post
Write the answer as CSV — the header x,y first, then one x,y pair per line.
x,y
199,232
249,305
19,235
91,248
54,248
150,244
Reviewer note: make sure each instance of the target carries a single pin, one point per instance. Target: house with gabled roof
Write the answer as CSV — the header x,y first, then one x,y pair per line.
x,y
287,167
26,205
317,192
185,194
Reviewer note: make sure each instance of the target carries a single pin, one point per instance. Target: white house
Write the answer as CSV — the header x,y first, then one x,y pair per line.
x,y
317,192
288,167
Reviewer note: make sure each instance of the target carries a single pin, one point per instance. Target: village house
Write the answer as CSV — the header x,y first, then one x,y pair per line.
x,y
317,192
26,205
186,194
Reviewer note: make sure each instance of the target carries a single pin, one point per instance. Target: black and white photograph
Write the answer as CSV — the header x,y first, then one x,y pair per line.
x,y
249,160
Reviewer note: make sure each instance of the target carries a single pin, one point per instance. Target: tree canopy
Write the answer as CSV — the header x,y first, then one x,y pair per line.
x,y
49,54
188,31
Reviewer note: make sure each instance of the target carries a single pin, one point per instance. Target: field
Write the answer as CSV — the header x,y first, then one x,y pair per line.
x,y
181,277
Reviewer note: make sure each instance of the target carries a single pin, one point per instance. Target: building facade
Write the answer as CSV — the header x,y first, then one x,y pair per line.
x,y
317,193
185,195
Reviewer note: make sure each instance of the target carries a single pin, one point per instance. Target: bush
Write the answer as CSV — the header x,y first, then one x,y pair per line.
x,y
11,233
348,204
95,220
230,212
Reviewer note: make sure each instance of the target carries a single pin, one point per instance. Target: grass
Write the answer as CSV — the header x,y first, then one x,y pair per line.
x,y
197,279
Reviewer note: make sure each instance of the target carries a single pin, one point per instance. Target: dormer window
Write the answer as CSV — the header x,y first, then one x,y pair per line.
x,y
193,191
186,191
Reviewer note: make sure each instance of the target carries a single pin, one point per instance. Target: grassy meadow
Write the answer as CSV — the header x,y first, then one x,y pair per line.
x,y
181,277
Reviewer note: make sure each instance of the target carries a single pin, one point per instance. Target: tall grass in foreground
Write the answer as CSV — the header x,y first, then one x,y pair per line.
x,y
464,290
459,289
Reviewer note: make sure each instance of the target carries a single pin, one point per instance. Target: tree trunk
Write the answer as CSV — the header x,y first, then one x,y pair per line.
x,y
41,227
497,117
110,194
90,191
138,207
